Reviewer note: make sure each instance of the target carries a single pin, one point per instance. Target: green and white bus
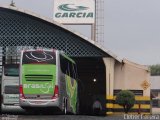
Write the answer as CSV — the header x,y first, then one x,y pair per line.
x,y
48,78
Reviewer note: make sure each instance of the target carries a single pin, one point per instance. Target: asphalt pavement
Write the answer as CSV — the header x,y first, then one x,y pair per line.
x,y
76,117
59,117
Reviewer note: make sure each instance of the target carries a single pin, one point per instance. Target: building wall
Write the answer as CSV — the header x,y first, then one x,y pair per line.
x,y
131,76
119,76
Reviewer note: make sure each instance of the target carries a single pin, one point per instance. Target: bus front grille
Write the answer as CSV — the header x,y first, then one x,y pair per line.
x,y
38,77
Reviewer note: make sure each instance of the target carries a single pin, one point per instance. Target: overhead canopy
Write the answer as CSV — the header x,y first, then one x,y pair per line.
x,y
22,28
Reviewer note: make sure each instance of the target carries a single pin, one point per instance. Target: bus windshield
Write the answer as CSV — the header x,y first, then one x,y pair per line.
x,y
39,57
11,71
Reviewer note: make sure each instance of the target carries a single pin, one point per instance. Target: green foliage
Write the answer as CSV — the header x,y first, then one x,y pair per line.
x,y
155,69
126,99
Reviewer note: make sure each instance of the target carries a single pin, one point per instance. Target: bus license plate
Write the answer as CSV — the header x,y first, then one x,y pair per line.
x,y
38,102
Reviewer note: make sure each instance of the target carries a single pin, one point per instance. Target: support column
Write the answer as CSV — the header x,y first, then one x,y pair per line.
x,y
109,64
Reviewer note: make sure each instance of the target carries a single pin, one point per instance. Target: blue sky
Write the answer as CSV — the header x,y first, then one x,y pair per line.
x,y
132,27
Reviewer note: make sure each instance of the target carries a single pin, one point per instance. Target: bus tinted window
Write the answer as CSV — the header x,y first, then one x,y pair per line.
x,y
68,67
74,69
11,70
63,64
39,57
11,89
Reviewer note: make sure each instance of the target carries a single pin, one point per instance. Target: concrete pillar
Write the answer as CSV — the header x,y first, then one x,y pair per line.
x,y
109,64
158,98
158,94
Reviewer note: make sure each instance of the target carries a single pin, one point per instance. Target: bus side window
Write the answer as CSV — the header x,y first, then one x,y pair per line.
x,y
68,68
63,65
74,71
71,70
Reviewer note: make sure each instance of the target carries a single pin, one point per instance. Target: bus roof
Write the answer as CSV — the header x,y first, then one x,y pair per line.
x,y
50,50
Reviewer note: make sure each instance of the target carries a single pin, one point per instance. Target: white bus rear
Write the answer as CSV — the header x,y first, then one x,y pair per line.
x,y
10,88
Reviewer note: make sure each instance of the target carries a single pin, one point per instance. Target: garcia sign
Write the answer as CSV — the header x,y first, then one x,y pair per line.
x,y
74,11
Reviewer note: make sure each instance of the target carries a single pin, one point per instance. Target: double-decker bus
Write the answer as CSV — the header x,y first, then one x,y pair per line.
x,y
48,78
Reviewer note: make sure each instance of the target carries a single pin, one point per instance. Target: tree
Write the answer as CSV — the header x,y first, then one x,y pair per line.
x,y
126,99
155,69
